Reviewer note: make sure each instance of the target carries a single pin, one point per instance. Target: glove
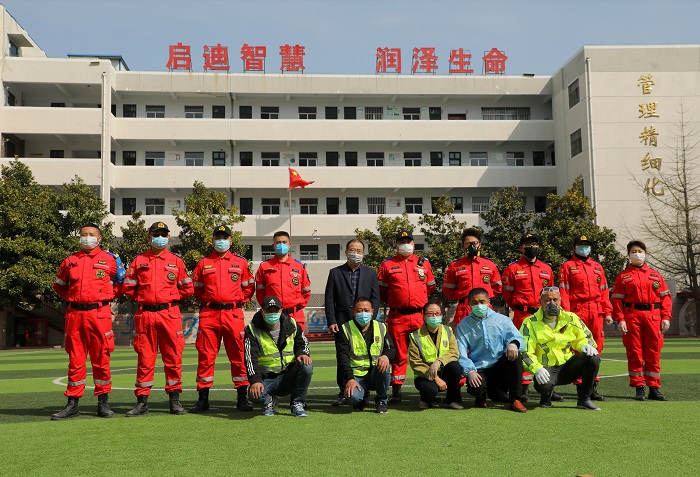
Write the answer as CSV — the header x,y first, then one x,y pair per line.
x,y
542,376
665,325
589,350
622,326
434,368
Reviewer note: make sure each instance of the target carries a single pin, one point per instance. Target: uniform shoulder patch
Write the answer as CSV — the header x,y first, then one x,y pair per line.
x,y
303,264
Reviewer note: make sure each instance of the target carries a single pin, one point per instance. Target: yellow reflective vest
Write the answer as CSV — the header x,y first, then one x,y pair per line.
x,y
427,349
270,359
361,359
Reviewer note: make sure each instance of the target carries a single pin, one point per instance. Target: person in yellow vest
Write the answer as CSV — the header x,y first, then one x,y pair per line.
x,y
364,352
432,355
277,359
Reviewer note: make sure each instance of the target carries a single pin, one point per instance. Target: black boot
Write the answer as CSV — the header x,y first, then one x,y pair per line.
x,y
655,394
395,394
103,409
175,406
242,403
140,408
639,393
594,395
202,403
71,410
525,394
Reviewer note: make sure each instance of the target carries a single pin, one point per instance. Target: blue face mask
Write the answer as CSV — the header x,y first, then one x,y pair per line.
x,y
221,245
159,242
583,250
281,249
272,318
480,310
433,321
363,318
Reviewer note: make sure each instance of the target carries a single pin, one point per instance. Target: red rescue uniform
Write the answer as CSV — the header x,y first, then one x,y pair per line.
x,y
157,283
642,300
468,273
85,281
222,285
522,284
288,281
404,284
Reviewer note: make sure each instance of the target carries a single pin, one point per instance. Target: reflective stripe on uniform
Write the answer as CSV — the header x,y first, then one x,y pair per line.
x,y
260,286
664,293
618,295
208,379
508,287
60,282
431,283
104,383
198,284
564,286
129,281
654,375
451,286
398,377
248,282
632,373
171,382
497,283
185,280
239,378
145,384
110,332
76,383
603,287
306,289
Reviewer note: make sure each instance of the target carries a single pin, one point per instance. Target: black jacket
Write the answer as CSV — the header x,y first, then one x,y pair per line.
x,y
339,297
342,351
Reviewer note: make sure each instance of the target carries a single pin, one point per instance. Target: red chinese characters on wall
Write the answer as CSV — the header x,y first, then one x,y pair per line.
x,y
292,58
460,62
388,60
179,58
216,57
424,59
253,57
495,62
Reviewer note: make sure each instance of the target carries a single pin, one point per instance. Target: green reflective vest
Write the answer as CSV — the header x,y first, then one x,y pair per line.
x,y
428,351
362,359
270,359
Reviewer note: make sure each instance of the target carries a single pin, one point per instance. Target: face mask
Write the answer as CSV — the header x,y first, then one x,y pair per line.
x,y
159,242
363,318
272,318
90,242
433,321
355,258
281,249
637,258
583,250
480,309
221,245
472,251
406,249
552,309
531,252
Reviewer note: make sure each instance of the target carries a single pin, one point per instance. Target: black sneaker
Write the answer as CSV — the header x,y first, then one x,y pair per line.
x,y
587,404
655,394
556,398
395,394
525,395
340,400
360,406
639,393
381,408
545,400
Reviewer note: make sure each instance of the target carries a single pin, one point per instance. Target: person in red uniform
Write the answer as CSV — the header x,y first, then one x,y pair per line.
x,y
405,281
469,272
584,291
641,304
86,280
157,281
523,281
285,278
222,284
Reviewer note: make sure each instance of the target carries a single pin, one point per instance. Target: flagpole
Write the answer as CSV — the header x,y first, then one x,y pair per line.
x,y
290,212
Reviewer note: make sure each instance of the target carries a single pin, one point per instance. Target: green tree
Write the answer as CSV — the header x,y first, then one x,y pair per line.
x,y
82,205
382,246
134,239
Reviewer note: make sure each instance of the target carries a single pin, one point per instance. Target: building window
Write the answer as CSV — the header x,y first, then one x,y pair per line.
x,y
538,158
270,112
308,159
458,203
350,158
218,112
155,158
128,205
435,158
248,254
14,49
246,158
435,113
111,205
412,159
270,159
332,158
113,157
478,159
414,205
155,111
308,252
58,105
194,159
540,203
155,206
374,112
480,204
332,205
57,153
218,158
307,112
576,144
129,110
375,159
505,114
455,158
194,112
267,252
333,251
574,95
331,112
419,247
308,206
352,205
456,117
246,112
271,207
246,205
129,158
411,114
350,112
376,205
515,159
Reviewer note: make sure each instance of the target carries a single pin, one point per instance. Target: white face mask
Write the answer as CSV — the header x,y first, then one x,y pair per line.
x,y
355,258
637,258
406,248
88,242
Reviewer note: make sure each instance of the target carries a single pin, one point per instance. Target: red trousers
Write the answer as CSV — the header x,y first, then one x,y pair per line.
x,y
400,327
213,326
518,318
300,317
89,331
158,330
588,312
643,342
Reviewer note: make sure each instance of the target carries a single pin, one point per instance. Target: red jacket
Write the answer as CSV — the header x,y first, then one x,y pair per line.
x,y
523,282
224,279
468,273
640,285
86,277
286,280
156,279
404,283
583,281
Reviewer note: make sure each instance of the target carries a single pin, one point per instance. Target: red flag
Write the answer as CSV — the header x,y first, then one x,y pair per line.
x,y
295,180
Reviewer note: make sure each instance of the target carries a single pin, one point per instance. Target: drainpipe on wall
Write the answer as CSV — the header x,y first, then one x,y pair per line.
x,y
591,156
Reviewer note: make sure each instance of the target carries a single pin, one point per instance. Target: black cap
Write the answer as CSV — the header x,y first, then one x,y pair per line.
x,y
222,229
271,301
582,238
402,234
529,236
158,226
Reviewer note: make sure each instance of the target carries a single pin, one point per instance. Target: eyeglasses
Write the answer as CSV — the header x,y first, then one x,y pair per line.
x,y
159,234
433,313
549,289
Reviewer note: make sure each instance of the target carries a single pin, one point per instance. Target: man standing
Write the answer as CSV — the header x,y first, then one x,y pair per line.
x,y
285,278
345,284
584,291
85,280
364,352
277,358
469,272
157,281
405,281
222,284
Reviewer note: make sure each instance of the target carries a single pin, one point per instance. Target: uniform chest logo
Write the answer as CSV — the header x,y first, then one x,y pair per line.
x,y
171,276
172,265
545,282
656,285
235,277
100,273
487,278
444,343
376,339
102,262
295,281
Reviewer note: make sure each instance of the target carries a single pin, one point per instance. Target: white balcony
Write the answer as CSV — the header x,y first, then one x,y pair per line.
x,y
56,172
59,121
